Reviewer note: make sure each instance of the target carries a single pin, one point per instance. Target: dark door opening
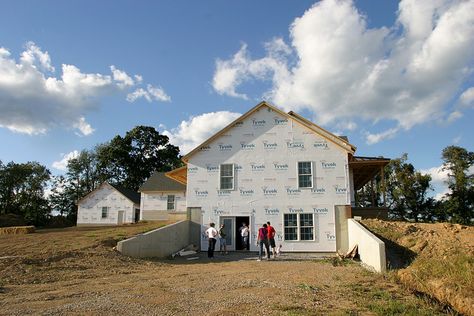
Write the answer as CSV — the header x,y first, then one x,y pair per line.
x,y
239,220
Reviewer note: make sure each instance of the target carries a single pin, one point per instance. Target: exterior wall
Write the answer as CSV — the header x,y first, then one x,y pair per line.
x,y
265,149
371,249
160,242
154,206
90,208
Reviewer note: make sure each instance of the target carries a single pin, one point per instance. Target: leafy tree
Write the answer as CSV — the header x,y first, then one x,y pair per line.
x,y
81,178
131,159
407,191
459,204
22,188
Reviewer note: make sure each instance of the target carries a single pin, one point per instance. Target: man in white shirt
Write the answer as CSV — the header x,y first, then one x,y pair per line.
x,y
211,234
244,233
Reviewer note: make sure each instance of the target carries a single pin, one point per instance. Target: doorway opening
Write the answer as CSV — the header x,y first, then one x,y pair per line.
x,y
239,220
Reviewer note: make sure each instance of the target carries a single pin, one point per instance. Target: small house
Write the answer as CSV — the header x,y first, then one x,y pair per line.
x,y
108,205
162,198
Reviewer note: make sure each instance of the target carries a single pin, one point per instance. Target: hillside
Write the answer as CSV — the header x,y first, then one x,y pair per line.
x,y
435,259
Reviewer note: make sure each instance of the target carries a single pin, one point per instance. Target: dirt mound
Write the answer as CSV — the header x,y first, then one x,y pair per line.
x,y
437,259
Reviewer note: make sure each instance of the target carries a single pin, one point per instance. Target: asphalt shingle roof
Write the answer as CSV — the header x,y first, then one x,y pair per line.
x,y
130,194
160,182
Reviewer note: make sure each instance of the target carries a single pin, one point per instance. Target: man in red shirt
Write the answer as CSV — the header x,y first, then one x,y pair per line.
x,y
271,238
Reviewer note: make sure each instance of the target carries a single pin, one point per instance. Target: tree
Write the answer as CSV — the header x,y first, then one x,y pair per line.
x,y
407,191
460,201
130,160
82,177
22,188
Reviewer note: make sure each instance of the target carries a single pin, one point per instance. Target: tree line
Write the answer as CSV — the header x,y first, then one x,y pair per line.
x,y
128,161
30,192
407,191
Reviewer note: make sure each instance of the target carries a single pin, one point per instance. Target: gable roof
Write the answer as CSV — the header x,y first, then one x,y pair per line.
x,y
291,115
133,196
160,182
129,194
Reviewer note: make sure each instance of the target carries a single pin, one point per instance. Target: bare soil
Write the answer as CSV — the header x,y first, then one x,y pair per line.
x,y
436,259
77,271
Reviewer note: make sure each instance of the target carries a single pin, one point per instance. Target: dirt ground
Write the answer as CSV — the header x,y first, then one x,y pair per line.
x,y
77,272
436,259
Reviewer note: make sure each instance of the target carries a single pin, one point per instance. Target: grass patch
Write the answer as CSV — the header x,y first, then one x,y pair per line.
x,y
383,302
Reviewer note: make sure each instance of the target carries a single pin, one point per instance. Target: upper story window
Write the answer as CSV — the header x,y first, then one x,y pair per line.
x,y
227,176
170,203
305,174
105,212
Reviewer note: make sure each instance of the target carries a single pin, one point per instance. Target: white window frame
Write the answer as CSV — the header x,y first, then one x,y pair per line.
x,y
168,202
305,174
106,209
298,228
232,176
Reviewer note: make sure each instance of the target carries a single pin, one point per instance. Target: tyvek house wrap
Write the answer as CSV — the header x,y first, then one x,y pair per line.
x,y
265,149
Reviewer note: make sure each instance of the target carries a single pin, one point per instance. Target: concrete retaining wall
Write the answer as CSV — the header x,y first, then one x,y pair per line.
x,y
371,249
161,242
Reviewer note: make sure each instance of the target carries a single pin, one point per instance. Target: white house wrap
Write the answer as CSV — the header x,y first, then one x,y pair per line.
x,y
272,166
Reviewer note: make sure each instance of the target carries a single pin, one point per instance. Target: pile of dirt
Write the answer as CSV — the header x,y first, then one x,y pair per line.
x,y
435,259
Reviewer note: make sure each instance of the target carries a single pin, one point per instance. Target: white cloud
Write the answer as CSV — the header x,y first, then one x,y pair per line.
x,y
189,134
231,73
467,97
439,178
375,138
340,69
62,164
123,79
150,94
84,127
33,100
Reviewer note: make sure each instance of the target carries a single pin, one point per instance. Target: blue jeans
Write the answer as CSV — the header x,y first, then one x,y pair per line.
x,y
260,250
212,246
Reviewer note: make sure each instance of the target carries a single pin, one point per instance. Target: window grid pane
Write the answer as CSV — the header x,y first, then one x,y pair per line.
x,y
227,176
291,226
305,174
306,227
291,233
170,202
104,212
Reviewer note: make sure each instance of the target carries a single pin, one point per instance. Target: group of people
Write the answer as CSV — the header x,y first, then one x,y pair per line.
x,y
265,238
212,235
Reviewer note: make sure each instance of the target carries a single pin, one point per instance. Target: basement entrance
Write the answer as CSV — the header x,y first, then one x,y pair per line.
x,y
232,229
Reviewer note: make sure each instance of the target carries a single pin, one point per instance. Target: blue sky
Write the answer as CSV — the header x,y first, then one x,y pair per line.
x,y
393,76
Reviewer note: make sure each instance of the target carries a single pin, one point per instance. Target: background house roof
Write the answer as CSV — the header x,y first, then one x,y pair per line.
x,y
160,182
130,194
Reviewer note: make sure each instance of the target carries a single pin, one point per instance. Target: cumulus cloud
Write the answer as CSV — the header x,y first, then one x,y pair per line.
x,y
340,69
150,94
33,99
62,164
189,134
467,97
439,178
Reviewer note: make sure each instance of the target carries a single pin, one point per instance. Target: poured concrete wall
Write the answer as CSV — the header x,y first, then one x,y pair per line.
x,y
343,212
371,249
161,242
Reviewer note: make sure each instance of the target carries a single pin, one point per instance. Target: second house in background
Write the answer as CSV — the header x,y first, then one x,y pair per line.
x,y
162,198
